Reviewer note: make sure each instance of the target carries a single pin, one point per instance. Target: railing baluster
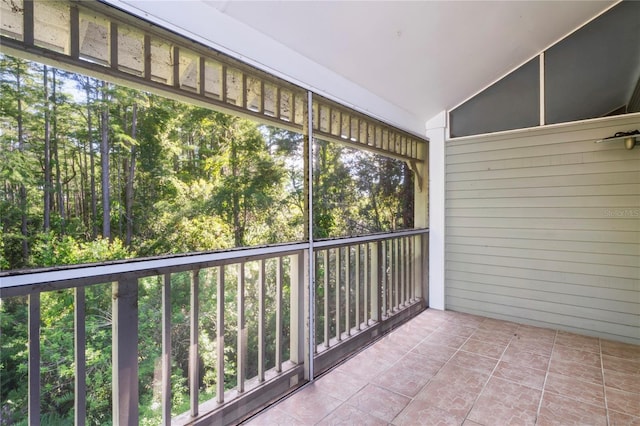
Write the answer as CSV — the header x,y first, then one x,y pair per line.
x,y
386,246
347,290
396,273
194,370
325,260
403,278
125,351
377,268
279,314
34,359
422,266
220,337
358,282
242,330
166,350
261,355
297,285
410,278
383,278
366,284
316,323
80,343
338,305
408,261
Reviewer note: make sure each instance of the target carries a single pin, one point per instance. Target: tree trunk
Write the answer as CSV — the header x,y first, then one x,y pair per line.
x,y
407,197
104,163
238,231
130,178
92,172
23,190
47,153
56,157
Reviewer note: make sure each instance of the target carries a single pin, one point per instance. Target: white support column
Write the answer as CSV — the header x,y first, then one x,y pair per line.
x,y
436,132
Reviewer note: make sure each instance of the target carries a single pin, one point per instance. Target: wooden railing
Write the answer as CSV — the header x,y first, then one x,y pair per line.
x,y
364,287
246,313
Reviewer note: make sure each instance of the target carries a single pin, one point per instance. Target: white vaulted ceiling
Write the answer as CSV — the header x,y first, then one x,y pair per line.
x,y
403,61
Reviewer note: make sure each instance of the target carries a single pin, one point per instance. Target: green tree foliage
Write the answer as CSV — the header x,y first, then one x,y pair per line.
x,y
179,178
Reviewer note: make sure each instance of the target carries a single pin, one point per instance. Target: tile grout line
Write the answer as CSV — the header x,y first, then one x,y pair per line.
x,y
546,375
428,381
448,321
466,417
370,382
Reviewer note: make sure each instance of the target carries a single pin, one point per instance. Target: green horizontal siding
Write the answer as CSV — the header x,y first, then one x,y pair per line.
x,y
543,227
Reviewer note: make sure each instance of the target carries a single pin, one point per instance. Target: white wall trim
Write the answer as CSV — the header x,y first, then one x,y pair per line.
x,y
437,132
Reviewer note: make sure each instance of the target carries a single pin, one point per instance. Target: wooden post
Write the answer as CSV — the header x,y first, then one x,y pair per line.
x,y
125,352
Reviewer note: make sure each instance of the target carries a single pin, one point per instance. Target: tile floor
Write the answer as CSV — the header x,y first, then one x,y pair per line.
x,y
447,368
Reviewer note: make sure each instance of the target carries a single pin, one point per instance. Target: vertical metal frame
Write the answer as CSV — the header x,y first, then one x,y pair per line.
x,y
310,267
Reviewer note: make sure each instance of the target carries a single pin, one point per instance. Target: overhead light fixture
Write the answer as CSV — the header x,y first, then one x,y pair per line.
x,y
630,138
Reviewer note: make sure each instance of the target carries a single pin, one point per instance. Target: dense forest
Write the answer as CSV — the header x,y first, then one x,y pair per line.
x,y
92,172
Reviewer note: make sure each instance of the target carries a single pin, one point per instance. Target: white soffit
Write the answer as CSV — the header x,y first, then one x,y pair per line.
x,y
402,61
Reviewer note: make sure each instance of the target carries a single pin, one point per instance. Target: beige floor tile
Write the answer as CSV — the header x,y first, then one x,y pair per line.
x,y
348,415
501,338
620,364
275,417
536,333
557,410
404,339
364,366
453,389
474,362
468,320
456,329
379,402
624,402
481,347
309,405
577,370
445,339
622,381
506,403
621,350
423,413
564,353
577,341
537,346
499,325
435,352
620,419
340,385
524,358
404,382
573,388
522,375
385,350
